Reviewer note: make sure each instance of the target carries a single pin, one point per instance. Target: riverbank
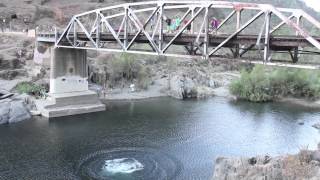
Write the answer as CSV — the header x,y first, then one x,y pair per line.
x,y
302,166
160,88
152,76
301,102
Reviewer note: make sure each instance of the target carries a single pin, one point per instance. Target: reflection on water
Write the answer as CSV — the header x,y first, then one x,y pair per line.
x,y
152,139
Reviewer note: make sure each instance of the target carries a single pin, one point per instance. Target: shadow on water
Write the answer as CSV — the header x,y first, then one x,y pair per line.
x,y
291,111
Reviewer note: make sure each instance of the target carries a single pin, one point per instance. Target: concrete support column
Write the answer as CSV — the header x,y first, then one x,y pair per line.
x,y
69,92
68,71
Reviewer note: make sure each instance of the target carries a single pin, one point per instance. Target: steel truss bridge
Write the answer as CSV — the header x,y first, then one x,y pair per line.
x,y
141,28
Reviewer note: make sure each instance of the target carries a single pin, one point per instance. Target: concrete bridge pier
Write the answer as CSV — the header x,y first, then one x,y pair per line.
x,y
69,93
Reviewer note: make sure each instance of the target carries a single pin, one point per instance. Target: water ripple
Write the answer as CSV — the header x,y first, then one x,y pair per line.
x,y
128,163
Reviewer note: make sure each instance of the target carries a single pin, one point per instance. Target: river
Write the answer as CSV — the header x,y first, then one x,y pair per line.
x,y
159,138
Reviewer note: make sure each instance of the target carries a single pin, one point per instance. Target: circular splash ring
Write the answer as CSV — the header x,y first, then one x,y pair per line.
x,y
128,163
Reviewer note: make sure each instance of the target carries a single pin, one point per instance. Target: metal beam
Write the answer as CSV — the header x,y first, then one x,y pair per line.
x,y
125,41
98,29
302,32
64,32
206,34
141,27
267,37
86,32
140,30
75,43
226,19
183,28
161,5
244,51
280,24
238,24
109,27
235,33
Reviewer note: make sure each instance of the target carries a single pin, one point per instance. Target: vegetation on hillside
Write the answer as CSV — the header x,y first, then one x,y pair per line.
x,y
261,85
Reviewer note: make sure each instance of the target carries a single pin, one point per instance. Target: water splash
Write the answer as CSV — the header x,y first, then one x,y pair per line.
x,y
122,165
128,163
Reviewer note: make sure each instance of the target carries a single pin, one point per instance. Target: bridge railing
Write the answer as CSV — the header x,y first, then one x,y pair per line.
x,y
151,20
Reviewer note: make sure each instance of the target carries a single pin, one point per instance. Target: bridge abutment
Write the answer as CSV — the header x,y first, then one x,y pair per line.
x,y
69,93
68,71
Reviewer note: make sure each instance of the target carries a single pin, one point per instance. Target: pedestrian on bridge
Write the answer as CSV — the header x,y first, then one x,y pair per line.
x,y
177,23
214,25
168,21
185,22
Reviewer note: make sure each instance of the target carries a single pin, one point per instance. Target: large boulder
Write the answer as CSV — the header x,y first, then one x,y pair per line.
x,y
175,87
204,92
182,87
317,125
18,112
12,111
4,112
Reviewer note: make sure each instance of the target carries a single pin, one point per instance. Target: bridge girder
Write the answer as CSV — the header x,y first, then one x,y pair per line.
x,y
148,19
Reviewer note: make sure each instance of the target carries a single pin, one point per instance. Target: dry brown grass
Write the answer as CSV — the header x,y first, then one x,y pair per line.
x,y
297,167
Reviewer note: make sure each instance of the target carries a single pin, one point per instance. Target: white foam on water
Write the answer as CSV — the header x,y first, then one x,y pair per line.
x,y
122,165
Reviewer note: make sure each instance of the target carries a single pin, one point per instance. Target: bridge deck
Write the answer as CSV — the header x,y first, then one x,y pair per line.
x,y
276,42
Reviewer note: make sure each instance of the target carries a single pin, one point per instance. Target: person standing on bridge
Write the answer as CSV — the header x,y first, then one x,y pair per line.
x,y
168,21
214,25
185,22
177,23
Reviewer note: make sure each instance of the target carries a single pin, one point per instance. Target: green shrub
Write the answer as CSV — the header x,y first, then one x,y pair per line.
x,y
127,67
30,88
143,78
124,67
261,85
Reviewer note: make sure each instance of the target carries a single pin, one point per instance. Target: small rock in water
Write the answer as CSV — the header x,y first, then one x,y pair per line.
x,y
301,122
317,125
252,161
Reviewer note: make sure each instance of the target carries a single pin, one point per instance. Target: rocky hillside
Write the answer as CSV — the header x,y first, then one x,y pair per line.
x,y
30,13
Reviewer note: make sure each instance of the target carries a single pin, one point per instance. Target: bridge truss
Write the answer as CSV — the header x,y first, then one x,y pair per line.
x,y
122,28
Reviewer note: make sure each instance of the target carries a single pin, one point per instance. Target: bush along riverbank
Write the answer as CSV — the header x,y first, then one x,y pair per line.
x,y
262,85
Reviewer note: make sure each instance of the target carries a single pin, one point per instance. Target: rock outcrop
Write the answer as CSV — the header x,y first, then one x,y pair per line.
x,y
13,110
182,87
303,166
317,125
